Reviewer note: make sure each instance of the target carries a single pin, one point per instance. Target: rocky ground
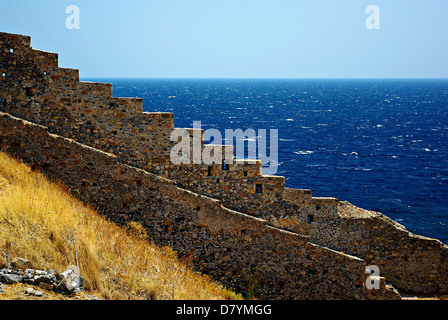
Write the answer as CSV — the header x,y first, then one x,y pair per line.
x,y
29,284
20,291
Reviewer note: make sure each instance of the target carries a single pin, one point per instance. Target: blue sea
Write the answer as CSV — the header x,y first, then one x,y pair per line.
x,y
379,144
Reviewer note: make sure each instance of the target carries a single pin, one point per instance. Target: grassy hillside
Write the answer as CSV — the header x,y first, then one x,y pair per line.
x,y
39,221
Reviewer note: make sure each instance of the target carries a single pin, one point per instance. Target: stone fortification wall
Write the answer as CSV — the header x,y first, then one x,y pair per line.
x,y
34,88
229,246
413,263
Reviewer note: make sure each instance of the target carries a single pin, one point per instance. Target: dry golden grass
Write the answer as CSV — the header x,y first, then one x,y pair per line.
x,y
40,222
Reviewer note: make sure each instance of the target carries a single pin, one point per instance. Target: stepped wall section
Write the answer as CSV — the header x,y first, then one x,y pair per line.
x,y
33,87
232,247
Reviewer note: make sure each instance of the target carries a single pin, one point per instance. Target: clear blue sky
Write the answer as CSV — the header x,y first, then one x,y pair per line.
x,y
238,38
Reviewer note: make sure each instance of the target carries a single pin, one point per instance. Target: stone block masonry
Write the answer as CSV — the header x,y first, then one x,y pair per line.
x,y
34,88
413,263
229,246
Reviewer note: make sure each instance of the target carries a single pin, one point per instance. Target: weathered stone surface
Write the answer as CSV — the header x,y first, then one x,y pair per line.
x,y
69,281
10,278
226,244
283,263
48,280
